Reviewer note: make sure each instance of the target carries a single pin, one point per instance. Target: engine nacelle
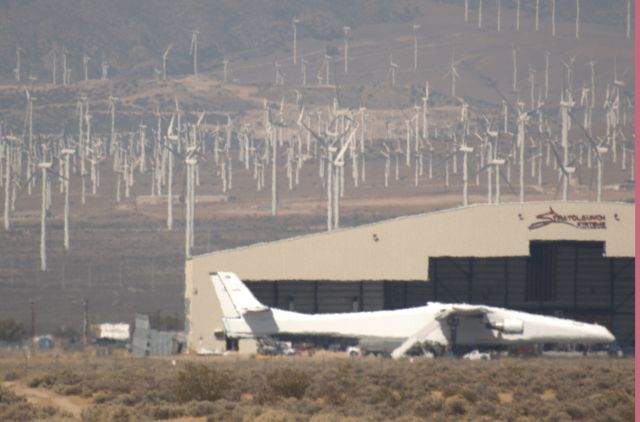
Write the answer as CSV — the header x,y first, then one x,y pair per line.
x,y
510,326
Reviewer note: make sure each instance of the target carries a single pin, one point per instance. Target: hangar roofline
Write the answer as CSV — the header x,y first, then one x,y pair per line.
x,y
405,217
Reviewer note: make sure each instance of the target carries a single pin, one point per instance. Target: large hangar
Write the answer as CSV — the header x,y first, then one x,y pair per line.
x,y
571,259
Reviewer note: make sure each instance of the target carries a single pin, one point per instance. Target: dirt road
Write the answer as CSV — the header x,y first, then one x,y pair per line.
x,y
42,397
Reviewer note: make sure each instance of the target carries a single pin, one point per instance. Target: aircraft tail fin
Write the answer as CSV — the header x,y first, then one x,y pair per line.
x,y
235,298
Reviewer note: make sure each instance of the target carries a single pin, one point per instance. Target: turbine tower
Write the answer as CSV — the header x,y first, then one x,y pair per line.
x,y
628,19
65,73
16,71
105,70
295,23
346,30
44,166
465,174
415,46
225,64
454,74
67,152
565,106
193,50
523,117
393,67
53,66
553,18
164,61
577,19
85,66
514,51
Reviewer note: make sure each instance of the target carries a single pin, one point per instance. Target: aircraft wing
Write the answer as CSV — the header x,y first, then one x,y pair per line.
x,y
476,324
432,332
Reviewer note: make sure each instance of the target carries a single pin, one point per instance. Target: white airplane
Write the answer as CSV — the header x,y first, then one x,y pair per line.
x,y
435,324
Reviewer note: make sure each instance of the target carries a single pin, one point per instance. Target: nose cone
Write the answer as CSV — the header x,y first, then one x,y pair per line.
x,y
607,336
598,334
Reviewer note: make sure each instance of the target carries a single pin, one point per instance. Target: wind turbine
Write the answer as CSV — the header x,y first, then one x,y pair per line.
x,y
553,18
304,63
517,15
547,54
465,150
193,50
346,30
66,153
9,184
171,137
295,23
44,166
453,72
499,18
393,67
537,19
577,19
592,65
65,74
415,46
16,71
104,69
565,107
523,118
164,61
327,66
628,19
514,51
53,66
85,65
225,64
479,14
600,151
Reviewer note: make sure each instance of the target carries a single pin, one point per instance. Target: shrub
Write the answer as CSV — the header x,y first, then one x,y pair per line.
x,y
9,397
202,383
12,376
284,383
200,408
108,413
455,405
12,331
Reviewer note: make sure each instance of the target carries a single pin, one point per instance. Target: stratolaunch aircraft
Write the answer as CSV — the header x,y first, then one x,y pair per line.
x,y
435,324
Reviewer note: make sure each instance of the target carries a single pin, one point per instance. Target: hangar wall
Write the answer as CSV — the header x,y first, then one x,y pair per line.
x,y
400,249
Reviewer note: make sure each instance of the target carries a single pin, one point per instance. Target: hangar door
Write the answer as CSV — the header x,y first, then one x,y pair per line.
x,y
563,278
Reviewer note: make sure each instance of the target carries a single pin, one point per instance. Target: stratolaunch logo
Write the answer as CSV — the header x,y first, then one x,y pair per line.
x,y
584,221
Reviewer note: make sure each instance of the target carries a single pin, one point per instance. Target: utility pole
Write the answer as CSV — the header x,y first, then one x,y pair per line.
x,y
33,318
85,322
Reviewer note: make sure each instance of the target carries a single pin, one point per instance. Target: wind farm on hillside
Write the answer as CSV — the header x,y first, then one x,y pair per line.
x,y
114,171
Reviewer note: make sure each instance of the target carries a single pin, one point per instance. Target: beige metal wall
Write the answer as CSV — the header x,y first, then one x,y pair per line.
x,y
397,249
